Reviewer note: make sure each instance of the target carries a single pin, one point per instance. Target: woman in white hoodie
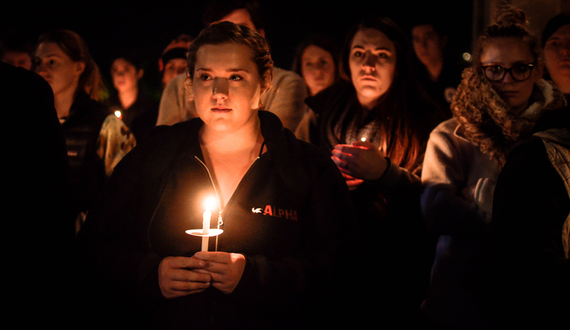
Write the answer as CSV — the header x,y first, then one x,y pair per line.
x,y
497,104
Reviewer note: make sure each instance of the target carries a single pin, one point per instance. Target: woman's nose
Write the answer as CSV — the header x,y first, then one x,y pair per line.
x,y
40,70
220,88
508,78
369,61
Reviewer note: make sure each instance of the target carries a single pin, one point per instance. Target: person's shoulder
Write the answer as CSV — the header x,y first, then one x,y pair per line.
x,y
20,76
446,127
282,75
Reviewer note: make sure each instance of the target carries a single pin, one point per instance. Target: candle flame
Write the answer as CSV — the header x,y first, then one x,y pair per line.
x,y
363,139
209,203
118,113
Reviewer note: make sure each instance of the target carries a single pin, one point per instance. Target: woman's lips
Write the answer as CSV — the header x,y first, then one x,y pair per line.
x,y
368,78
221,109
508,94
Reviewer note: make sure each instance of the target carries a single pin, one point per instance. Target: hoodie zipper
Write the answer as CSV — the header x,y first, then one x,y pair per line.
x,y
220,219
220,209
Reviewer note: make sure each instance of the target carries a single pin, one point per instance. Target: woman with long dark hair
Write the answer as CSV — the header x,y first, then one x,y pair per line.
x,y
375,123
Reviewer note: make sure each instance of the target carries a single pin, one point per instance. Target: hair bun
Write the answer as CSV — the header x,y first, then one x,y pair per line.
x,y
509,15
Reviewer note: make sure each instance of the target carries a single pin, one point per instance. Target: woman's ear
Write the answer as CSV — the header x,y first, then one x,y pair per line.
x,y
266,82
80,67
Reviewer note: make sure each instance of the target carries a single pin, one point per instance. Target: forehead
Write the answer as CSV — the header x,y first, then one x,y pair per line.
x,y
49,49
225,56
506,50
313,51
122,63
371,38
423,29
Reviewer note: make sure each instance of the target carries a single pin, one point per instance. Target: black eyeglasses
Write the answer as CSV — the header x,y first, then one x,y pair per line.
x,y
519,72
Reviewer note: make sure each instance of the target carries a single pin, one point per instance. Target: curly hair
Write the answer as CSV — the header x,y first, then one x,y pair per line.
x,y
486,119
510,22
483,115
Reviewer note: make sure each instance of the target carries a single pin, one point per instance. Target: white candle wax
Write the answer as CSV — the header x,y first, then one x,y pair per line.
x,y
206,229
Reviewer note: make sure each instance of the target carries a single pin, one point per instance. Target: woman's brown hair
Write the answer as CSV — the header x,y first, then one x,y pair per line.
x,y
228,32
406,114
76,48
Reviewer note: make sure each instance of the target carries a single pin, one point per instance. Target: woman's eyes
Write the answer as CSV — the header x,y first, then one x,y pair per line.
x,y
49,62
205,77
233,77
382,55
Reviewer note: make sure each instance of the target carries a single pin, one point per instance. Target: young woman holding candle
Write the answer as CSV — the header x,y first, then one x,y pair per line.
x,y
283,207
138,110
380,100
496,106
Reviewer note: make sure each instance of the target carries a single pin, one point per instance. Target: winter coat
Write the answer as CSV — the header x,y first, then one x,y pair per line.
x,y
461,167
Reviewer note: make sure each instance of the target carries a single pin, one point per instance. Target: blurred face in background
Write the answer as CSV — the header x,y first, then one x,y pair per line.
x,y
317,68
428,44
372,62
173,68
125,75
557,58
18,59
57,68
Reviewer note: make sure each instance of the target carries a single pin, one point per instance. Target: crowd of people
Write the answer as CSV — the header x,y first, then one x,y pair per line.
x,y
375,183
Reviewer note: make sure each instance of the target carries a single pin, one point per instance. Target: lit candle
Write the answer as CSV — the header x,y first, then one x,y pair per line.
x,y
208,205
363,139
118,114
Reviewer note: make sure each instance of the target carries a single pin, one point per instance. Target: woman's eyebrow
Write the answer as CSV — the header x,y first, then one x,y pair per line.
x,y
377,48
227,70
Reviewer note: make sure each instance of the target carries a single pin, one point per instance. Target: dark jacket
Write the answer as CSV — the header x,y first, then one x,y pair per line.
x,y
290,216
35,165
388,208
140,117
529,274
86,170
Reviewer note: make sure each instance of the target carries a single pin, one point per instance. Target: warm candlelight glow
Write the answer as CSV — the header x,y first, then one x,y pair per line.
x,y
206,232
118,114
209,203
363,139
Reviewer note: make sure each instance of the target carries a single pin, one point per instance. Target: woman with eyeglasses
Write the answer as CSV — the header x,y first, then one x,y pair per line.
x,y
497,104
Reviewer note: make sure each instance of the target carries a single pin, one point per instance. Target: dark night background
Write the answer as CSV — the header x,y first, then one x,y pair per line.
x,y
148,27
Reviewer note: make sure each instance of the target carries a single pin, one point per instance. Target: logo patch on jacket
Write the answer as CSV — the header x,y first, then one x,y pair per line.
x,y
276,212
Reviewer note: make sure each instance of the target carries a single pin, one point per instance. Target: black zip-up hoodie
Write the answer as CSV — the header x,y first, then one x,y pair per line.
x,y
290,216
